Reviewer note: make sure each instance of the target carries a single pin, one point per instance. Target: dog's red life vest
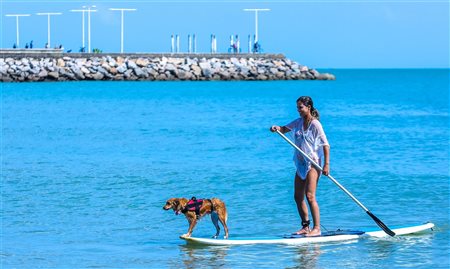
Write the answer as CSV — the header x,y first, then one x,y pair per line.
x,y
194,205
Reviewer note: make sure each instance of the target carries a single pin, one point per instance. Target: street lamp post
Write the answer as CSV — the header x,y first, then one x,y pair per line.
x,y
121,24
48,24
17,24
256,10
89,10
82,24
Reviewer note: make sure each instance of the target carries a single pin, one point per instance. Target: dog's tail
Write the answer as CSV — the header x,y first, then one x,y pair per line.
x,y
217,203
226,212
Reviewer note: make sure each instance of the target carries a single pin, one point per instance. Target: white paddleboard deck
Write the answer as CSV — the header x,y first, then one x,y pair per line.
x,y
339,235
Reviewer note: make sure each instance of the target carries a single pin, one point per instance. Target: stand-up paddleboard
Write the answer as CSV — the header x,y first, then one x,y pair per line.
x,y
330,236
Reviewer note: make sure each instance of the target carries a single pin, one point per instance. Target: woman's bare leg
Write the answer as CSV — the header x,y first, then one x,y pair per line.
x,y
312,178
299,196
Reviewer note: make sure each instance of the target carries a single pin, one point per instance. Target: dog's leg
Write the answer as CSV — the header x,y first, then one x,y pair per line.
x,y
192,223
223,219
215,221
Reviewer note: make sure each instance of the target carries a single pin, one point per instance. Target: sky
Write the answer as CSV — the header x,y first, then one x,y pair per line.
x,y
316,33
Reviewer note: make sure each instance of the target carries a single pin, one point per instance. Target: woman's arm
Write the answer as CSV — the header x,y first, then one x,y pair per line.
x,y
326,164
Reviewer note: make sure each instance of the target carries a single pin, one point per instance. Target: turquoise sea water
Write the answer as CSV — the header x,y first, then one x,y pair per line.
x,y
87,167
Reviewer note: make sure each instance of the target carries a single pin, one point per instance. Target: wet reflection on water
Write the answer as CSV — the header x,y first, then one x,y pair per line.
x,y
198,256
306,256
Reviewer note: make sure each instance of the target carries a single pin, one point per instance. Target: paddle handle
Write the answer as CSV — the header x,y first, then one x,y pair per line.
x,y
377,220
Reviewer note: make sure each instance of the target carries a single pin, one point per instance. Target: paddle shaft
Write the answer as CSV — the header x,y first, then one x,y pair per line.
x,y
378,221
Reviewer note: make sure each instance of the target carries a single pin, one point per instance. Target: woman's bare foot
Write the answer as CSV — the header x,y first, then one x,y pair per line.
x,y
304,230
314,232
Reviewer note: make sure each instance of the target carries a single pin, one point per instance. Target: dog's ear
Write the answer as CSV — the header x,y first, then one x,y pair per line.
x,y
177,204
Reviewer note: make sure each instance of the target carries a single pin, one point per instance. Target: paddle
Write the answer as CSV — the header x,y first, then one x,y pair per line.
x,y
377,220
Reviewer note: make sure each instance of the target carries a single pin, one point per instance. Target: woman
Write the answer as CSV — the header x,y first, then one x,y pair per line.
x,y
309,137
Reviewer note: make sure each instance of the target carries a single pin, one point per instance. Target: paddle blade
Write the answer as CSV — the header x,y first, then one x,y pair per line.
x,y
381,224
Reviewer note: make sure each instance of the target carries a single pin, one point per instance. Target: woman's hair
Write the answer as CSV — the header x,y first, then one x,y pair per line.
x,y
307,101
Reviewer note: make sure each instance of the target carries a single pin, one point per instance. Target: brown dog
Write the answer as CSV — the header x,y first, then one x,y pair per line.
x,y
195,209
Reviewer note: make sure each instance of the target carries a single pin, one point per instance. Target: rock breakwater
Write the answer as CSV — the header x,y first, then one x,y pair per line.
x,y
70,67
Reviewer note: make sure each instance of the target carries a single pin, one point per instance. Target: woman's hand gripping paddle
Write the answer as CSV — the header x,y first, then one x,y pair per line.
x,y
377,220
